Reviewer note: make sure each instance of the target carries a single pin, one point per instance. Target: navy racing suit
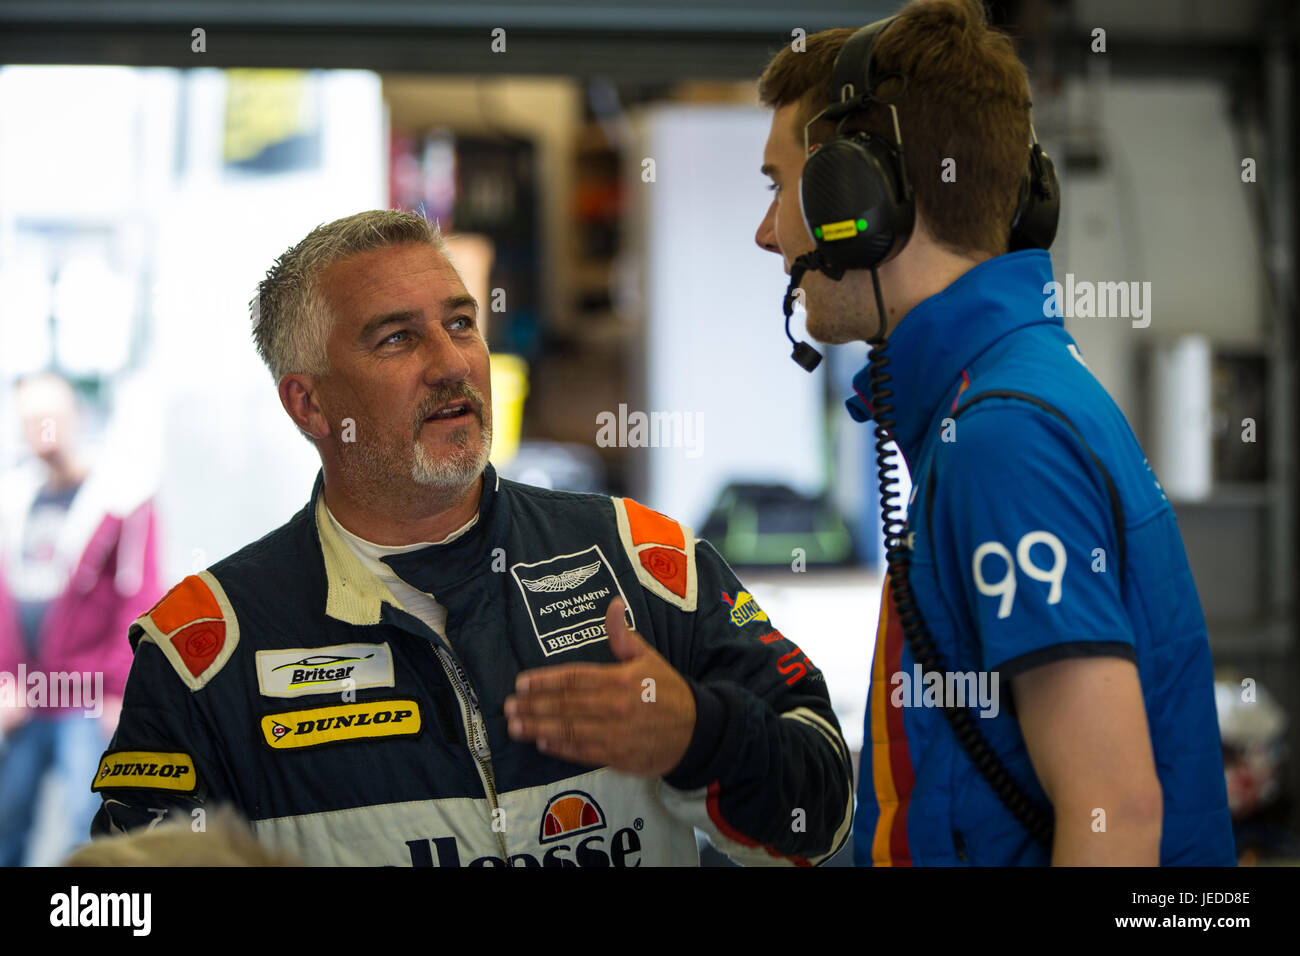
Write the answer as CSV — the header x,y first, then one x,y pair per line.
x,y
287,681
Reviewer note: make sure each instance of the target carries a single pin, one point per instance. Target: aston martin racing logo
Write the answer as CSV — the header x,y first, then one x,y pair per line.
x,y
564,580
566,597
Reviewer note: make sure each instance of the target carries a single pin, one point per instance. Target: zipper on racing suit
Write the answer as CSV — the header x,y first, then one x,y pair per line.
x,y
475,733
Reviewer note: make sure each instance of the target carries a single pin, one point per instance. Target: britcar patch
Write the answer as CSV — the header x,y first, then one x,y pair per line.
x,y
324,725
302,671
146,770
567,597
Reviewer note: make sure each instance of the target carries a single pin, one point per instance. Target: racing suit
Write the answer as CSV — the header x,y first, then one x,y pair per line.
x,y
287,681
1036,532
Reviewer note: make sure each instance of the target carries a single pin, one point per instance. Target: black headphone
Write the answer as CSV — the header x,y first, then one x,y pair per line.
x,y
854,193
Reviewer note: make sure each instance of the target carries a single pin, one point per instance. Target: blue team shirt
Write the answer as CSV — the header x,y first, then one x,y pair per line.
x,y
1016,562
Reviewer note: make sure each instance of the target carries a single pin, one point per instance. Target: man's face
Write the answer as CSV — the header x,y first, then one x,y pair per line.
x,y
409,367
832,315
48,411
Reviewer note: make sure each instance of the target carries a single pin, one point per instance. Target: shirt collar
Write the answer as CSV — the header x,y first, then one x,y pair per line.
x,y
356,596
943,334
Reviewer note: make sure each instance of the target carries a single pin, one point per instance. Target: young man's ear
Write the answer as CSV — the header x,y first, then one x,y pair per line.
x,y
298,396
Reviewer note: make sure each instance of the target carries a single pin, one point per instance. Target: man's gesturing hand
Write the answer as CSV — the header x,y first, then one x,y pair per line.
x,y
636,716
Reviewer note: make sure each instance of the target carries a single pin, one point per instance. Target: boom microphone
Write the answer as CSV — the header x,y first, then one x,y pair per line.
x,y
807,357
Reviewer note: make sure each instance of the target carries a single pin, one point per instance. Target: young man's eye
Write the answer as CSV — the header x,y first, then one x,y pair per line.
x,y
775,187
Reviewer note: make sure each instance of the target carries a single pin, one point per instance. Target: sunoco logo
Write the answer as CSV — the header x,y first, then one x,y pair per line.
x,y
743,608
573,831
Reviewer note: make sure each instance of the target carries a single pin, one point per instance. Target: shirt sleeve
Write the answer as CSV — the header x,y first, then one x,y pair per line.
x,y
1022,518
767,773
160,764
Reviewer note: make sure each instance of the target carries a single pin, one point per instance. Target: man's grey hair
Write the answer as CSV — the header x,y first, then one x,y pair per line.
x,y
291,316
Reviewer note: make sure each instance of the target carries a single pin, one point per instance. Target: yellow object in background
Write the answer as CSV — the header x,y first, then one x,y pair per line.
x,y
265,109
509,389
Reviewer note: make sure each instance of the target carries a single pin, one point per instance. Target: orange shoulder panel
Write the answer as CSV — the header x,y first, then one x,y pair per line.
x,y
191,600
668,567
650,527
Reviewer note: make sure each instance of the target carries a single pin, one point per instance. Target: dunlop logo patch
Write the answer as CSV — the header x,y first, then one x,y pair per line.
x,y
146,770
324,725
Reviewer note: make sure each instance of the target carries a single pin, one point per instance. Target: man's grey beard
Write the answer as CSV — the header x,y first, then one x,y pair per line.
x,y
453,471
372,466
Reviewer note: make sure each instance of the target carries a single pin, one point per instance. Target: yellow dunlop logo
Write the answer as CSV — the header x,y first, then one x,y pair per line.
x,y
746,609
323,725
145,770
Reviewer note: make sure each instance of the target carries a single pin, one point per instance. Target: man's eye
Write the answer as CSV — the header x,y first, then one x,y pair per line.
x,y
390,338
467,322
775,187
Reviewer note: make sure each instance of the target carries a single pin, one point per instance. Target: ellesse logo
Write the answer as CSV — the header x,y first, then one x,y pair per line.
x,y
574,831
570,813
323,725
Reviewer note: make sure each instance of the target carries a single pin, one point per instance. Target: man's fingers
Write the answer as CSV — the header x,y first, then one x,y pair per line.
x,y
590,753
563,702
562,736
572,677
624,643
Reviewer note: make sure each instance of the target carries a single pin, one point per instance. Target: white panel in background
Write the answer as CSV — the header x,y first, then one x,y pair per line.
x,y
67,141
236,466
714,340
1181,447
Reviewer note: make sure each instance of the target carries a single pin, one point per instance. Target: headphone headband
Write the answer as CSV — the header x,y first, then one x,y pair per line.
x,y
854,193
852,78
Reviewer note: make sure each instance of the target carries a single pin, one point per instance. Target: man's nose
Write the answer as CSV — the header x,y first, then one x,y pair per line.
x,y
766,235
445,359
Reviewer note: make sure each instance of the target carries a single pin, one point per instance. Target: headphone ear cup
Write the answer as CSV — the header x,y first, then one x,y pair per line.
x,y
855,203
1039,208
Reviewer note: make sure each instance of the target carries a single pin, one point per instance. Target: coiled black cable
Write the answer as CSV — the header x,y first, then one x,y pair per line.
x,y
1034,818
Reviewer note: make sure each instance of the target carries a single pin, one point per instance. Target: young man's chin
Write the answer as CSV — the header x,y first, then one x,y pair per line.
x,y
832,332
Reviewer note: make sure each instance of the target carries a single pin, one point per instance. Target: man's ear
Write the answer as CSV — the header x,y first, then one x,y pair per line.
x,y
298,396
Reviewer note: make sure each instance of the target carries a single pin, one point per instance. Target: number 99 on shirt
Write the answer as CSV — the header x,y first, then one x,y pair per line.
x,y
1005,588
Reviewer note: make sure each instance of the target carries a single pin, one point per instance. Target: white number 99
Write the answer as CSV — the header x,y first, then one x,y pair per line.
x,y
1006,587
1053,574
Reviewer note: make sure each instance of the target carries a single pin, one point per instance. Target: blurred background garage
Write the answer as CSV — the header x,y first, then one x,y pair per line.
x,y
597,166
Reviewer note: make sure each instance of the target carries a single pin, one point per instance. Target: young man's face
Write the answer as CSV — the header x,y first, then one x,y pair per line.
x,y
409,367
832,314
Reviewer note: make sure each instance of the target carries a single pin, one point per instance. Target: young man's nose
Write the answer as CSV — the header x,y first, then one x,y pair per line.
x,y
766,235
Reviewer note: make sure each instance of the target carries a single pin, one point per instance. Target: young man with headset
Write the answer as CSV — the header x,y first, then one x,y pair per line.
x,y
914,208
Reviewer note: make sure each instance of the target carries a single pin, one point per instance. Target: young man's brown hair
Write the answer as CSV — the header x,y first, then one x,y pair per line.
x,y
966,100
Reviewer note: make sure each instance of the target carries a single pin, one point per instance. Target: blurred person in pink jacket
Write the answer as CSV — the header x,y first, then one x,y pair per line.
x,y
78,563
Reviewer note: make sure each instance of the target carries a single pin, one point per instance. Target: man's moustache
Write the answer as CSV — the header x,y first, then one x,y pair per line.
x,y
469,395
